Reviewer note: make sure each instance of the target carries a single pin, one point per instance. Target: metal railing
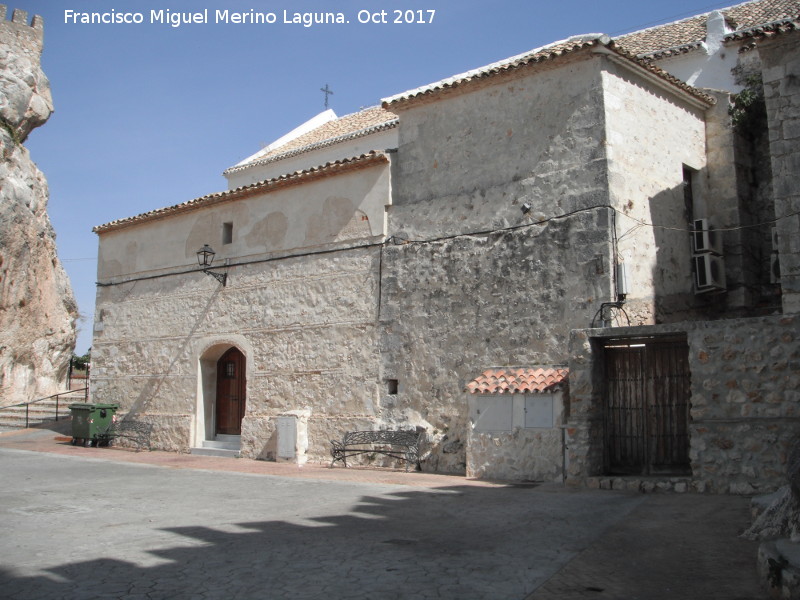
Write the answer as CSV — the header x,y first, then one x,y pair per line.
x,y
57,396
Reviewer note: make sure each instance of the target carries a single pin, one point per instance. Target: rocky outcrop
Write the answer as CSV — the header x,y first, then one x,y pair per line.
x,y
778,515
777,523
37,308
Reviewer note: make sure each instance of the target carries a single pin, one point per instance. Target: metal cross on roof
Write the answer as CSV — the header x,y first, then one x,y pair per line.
x,y
328,92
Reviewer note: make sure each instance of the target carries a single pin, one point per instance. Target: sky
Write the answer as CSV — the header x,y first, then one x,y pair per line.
x,y
149,115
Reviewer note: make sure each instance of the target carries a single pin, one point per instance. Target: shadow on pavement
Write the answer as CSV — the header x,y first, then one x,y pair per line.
x,y
158,533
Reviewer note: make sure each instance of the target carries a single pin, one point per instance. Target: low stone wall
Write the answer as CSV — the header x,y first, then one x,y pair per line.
x,y
745,409
518,455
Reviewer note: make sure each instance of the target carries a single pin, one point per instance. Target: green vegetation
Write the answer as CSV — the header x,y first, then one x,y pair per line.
x,y
748,109
80,363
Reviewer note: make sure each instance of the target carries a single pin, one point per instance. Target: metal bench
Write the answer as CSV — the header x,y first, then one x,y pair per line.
x,y
402,445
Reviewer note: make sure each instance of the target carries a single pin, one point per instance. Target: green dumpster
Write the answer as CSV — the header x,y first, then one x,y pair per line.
x,y
91,423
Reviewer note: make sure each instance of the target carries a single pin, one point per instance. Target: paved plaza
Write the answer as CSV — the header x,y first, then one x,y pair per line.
x,y
84,523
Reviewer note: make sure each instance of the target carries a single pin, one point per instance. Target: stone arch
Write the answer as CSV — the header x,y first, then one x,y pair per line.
x,y
208,353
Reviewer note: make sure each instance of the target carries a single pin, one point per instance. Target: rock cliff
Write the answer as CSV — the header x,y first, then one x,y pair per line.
x,y
37,308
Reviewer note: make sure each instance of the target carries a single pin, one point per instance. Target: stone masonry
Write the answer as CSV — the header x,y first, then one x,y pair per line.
x,y
480,262
744,405
367,292
781,75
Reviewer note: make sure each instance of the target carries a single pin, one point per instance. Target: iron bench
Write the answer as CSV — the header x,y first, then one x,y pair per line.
x,y
402,445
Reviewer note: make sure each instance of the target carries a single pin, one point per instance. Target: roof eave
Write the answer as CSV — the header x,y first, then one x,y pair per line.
x,y
479,77
599,44
311,147
338,167
765,30
657,76
672,52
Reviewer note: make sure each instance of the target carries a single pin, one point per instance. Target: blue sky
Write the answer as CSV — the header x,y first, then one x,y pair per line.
x,y
149,115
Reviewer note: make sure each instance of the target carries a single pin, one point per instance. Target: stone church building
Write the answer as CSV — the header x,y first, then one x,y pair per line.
x,y
571,265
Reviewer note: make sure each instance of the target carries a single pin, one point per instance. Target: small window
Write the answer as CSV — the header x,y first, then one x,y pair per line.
x,y
230,370
227,233
392,386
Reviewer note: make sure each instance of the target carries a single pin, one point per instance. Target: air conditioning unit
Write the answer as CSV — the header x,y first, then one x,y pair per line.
x,y
709,273
774,268
706,238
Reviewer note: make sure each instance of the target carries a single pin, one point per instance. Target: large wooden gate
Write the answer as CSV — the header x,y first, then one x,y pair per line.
x,y
647,405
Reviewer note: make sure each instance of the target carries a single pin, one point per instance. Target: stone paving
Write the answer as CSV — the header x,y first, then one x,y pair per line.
x,y
104,523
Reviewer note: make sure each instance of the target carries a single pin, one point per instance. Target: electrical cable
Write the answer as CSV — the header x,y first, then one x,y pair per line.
x,y
398,240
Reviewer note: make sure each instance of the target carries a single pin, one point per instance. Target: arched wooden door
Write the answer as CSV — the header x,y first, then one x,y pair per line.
x,y
231,392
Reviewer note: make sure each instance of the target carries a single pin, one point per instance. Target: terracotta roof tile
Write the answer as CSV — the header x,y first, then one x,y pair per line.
x,y
262,187
352,126
543,53
519,381
766,30
546,53
688,34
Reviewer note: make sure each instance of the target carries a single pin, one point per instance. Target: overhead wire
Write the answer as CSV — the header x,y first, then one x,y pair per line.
x,y
399,239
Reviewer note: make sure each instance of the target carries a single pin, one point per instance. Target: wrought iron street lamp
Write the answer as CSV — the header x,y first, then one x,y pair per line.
x,y
205,256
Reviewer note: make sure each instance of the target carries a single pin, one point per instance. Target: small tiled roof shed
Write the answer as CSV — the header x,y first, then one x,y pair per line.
x,y
519,381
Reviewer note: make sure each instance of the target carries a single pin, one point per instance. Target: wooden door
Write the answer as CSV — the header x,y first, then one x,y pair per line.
x,y
231,388
647,407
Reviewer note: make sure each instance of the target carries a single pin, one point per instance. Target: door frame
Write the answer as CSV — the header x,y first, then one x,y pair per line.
x,y
650,434
237,411
208,351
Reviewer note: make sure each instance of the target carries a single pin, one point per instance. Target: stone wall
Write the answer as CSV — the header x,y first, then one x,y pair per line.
x,y
474,281
306,326
741,204
501,238
780,58
451,309
305,323
650,138
744,404
461,301
467,163
37,309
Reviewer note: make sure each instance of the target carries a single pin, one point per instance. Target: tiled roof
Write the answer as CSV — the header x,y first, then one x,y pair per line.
x,y
262,187
766,30
519,381
352,126
539,55
687,34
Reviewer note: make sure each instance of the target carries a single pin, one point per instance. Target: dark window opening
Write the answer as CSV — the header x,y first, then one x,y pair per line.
x,y
392,386
688,194
230,370
227,233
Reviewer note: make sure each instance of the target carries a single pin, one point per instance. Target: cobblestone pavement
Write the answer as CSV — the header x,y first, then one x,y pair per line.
x,y
668,547
103,523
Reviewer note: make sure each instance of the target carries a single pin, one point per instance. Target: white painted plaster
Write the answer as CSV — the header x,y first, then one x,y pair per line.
x,y
349,207
378,141
311,124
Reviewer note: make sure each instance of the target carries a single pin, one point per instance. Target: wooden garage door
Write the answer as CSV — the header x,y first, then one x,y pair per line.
x,y
647,406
